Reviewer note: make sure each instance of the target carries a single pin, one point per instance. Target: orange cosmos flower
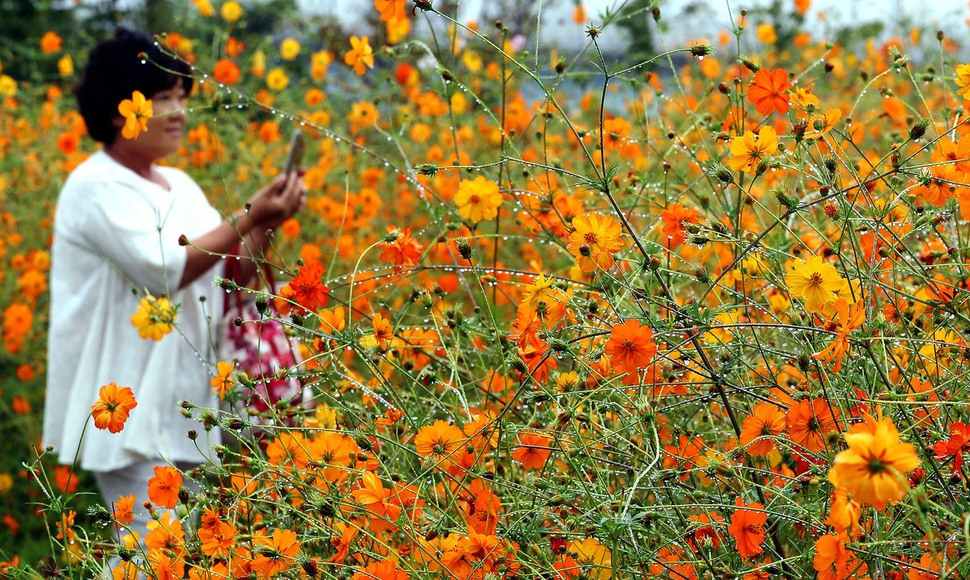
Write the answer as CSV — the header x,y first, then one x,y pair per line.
x,y
165,533
332,451
844,514
684,456
165,566
164,487
360,56
439,441
363,114
67,142
748,528
308,288
957,444
768,91
941,186
222,383
673,562
234,47
383,330
874,469
579,14
373,496
766,420
631,346
847,318
216,536
65,479
390,9
50,42
381,570
277,552
226,72
809,420
833,561
111,409
594,241
674,218
123,509
707,531
565,568
137,111
400,248
533,450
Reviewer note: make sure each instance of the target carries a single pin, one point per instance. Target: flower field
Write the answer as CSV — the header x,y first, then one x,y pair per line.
x,y
559,315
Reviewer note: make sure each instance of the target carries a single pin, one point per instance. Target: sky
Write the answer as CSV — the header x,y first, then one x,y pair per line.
x,y
948,14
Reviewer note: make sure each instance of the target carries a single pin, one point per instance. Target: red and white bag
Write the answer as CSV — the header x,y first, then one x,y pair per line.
x,y
260,348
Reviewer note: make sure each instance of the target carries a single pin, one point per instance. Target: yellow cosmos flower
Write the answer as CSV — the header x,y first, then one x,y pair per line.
x,y
6,483
204,7
324,417
231,11
874,469
594,241
815,282
258,65
289,48
471,60
360,56
137,111
748,151
803,98
8,86
478,199
319,64
963,80
397,29
542,298
591,552
65,65
154,318
277,79
821,123
766,33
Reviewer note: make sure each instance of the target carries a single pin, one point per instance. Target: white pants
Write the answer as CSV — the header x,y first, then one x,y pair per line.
x,y
133,480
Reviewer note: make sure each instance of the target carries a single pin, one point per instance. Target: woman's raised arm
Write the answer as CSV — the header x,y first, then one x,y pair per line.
x,y
271,205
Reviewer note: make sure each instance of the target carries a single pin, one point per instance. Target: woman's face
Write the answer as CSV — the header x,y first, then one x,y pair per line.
x,y
165,128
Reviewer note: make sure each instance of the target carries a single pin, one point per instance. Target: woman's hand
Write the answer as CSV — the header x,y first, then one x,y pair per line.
x,y
276,202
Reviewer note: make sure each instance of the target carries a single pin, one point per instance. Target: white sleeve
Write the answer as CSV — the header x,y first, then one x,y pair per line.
x,y
123,225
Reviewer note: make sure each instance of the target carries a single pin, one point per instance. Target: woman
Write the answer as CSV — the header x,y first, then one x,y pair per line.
x,y
117,232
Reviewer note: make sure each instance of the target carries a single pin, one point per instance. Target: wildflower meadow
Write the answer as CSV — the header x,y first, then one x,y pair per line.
x,y
692,310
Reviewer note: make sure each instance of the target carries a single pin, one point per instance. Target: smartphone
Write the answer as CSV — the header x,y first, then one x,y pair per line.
x,y
297,147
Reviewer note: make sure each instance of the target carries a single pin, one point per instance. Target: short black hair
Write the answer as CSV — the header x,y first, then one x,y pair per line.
x,y
115,69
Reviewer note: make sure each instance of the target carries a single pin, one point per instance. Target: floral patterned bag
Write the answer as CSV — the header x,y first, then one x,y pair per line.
x,y
259,346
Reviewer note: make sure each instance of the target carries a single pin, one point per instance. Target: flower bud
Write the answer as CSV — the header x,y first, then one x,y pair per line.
x,y
464,249
701,50
918,129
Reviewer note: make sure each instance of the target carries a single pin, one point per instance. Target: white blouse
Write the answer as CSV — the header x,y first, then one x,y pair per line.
x,y
115,232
